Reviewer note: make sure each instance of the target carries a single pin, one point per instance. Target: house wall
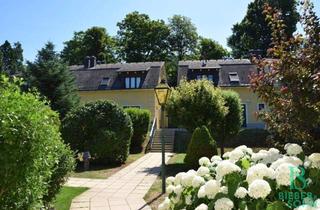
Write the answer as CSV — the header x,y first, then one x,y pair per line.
x,y
145,98
251,100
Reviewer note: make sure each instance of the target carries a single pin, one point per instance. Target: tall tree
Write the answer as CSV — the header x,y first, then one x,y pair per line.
x,y
254,32
290,85
142,39
11,58
94,41
210,49
51,76
183,36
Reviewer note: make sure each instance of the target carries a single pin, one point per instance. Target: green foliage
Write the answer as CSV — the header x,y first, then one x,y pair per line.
x,y
249,137
94,41
103,128
199,101
53,80
183,36
254,32
292,88
29,142
11,58
201,145
141,39
210,49
140,119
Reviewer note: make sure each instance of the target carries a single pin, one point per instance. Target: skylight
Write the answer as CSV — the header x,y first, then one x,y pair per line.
x,y
234,77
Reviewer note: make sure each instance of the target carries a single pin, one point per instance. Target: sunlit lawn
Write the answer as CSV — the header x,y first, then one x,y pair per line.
x,y
64,198
104,171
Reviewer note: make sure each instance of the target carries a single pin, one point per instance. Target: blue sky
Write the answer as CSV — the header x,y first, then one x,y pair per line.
x,y
35,22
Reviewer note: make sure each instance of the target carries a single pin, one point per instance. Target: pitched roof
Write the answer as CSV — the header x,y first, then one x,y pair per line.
x,y
242,67
90,78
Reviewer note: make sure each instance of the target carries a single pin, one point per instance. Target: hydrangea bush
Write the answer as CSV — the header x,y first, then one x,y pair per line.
x,y
244,180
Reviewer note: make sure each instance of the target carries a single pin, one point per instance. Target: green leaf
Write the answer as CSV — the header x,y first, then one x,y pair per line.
x,y
245,163
277,205
232,181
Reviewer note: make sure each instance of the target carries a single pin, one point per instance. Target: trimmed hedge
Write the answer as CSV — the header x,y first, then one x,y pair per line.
x,y
32,167
181,140
201,145
103,128
140,122
256,137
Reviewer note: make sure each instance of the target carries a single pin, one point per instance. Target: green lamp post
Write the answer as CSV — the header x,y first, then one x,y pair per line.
x,y
162,92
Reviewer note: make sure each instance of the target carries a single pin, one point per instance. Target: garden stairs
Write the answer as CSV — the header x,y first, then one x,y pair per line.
x,y
168,135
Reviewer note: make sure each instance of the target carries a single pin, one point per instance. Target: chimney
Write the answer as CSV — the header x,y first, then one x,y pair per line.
x,y
93,61
87,62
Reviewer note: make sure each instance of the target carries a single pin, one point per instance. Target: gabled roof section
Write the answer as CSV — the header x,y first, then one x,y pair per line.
x,y
95,77
232,72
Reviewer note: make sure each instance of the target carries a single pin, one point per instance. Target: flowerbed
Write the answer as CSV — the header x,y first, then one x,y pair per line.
x,y
247,180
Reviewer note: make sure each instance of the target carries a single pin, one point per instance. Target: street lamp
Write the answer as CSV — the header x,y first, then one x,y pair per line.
x,y
162,92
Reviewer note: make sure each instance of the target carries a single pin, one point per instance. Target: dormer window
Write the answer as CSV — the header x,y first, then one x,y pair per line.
x,y
234,78
205,76
132,82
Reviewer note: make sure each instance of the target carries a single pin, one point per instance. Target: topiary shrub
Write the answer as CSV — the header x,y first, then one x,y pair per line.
x,y
29,141
201,145
103,128
140,121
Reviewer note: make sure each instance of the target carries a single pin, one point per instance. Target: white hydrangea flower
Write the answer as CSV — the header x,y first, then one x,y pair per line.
x,y
178,189
211,188
236,154
170,180
306,207
216,158
202,207
223,204
315,160
170,188
175,199
188,200
259,171
226,167
283,174
203,170
201,192
204,161
244,149
293,149
285,159
259,189
226,155
224,189
256,157
197,181
165,205
241,192
317,203
178,178
186,180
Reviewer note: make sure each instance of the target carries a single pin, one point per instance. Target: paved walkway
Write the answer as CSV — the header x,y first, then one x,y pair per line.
x,y
123,190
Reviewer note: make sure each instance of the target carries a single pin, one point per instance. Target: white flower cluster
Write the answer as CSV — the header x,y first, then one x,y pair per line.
x,y
255,175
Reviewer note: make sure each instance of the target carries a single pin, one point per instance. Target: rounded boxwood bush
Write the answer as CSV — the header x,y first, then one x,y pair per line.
x,y
201,145
29,143
103,128
140,121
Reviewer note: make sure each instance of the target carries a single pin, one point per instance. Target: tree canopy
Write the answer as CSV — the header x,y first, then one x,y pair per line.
x,y
254,33
290,85
51,76
11,58
94,41
141,39
183,36
210,49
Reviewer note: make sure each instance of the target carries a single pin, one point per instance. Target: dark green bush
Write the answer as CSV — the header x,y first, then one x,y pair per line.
x,y
181,140
29,140
250,137
103,128
201,145
140,121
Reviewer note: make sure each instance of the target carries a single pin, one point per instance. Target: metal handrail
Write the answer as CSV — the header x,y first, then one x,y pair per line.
x,y
151,135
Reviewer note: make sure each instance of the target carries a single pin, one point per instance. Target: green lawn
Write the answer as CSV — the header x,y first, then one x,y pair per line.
x,y
64,198
104,171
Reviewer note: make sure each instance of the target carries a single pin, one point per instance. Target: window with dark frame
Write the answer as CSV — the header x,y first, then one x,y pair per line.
x,y
132,82
261,107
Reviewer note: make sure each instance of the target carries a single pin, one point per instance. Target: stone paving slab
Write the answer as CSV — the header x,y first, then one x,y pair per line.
x,y
123,190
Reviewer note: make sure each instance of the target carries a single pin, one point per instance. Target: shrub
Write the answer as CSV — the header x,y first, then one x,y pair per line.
x,y
29,139
140,119
247,180
103,128
201,145
256,137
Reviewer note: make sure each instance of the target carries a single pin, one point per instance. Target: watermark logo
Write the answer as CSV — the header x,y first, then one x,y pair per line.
x,y
297,196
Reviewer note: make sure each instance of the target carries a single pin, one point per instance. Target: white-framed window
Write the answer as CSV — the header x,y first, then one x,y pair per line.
x,y
132,82
261,106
